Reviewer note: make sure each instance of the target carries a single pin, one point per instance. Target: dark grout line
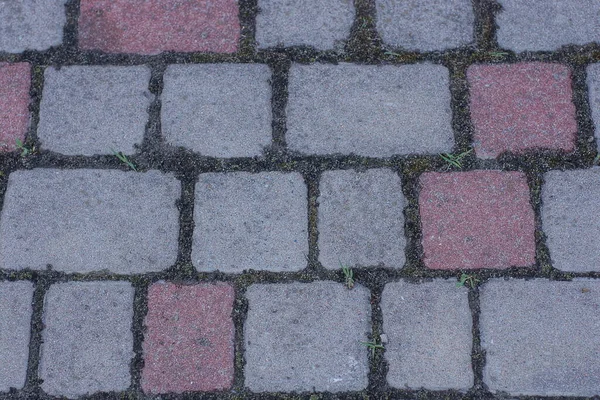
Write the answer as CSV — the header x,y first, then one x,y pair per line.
x,y
280,67
33,380
478,355
140,309
485,24
153,139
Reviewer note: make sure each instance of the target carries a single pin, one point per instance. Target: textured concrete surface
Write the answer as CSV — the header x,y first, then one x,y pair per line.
x,y
306,336
540,337
218,110
369,110
593,82
15,81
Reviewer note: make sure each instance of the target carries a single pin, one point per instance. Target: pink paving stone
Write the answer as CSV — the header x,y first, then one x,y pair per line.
x,y
189,342
15,80
520,107
153,26
476,219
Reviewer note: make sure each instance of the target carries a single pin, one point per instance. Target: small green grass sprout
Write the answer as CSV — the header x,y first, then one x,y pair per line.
x,y
597,160
373,345
467,281
455,160
497,53
25,151
123,158
348,275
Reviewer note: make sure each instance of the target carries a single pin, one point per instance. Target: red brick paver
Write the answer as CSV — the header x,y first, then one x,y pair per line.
x,y
476,219
15,80
189,342
520,107
154,26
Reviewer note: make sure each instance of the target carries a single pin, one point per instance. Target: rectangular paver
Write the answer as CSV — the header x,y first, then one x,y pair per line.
x,y
15,81
593,82
90,220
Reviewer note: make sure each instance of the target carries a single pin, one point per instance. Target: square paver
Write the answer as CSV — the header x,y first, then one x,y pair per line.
x,y
428,326
369,110
87,110
521,107
218,110
250,221
540,337
15,81
425,25
155,26
476,219
361,219
593,82
306,337
15,328
188,345
87,340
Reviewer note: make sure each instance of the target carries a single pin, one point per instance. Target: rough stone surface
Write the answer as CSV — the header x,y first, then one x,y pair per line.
x,y
15,325
425,25
322,24
361,220
305,337
428,326
87,340
189,342
520,107
476,219
15,81
87,110
89,220
250,221
540,337
369,110
155,26
218,110
547,25
593,82
31,24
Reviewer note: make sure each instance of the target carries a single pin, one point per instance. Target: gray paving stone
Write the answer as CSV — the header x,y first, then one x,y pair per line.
x,y
218,110
540,337
369,110
31,24
305,337
87,340
428,326
425,25
250,221
571,218
361,219
547,25
90,110
90,220
593,82
324,24
15,325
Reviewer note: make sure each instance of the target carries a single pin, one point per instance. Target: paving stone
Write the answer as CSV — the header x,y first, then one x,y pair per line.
x,y
90,220
189,342
369,110
324,24
87,110
425,25
593,82
570,219
31,24
87,340
547,25
218,110
521,107
250,221
361,220
428,326
540,337
15,325
155,26
305,337
15,81
476,219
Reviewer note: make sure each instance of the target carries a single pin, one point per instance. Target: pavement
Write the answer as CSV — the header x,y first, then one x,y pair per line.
x,y
334,199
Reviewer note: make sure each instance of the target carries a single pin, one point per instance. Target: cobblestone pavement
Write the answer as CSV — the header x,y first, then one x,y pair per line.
x,y
283,199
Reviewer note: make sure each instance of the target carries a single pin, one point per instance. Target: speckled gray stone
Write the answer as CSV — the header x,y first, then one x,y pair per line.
x,y
306,336
91,110
593,82
361,220
369,110
571,218
541,337
218,110
15,325
428,326
425,25
90,220
87,340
